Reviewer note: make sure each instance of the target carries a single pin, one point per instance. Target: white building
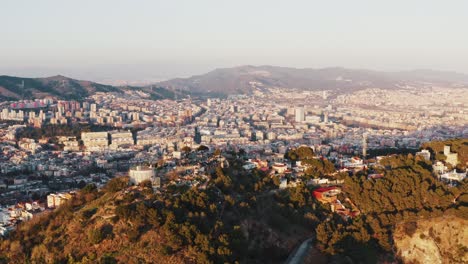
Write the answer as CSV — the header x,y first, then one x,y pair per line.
x,y
140,174
29,144
425,154
4,216
353,162
299,114
271,135
55,200
121,138
279,167
259,135
439,167
453,176
452,158
156,182
69,143
95,140
283,183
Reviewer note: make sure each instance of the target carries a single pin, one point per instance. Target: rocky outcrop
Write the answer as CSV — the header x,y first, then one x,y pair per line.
x,y
437,240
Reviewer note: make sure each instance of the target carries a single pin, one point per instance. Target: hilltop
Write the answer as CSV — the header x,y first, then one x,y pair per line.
x,y
244,79
56,86
64,88
181,225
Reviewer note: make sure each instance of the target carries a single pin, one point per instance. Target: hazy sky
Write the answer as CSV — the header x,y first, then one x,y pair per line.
x,y
138,40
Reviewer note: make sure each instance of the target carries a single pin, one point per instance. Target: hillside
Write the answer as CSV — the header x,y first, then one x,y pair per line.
x,y
182,225
437,240
57,86
157,92
241,79
61,87
242,216
236,80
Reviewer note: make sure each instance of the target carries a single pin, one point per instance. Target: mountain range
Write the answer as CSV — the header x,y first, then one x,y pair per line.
x,y
236,80
243,78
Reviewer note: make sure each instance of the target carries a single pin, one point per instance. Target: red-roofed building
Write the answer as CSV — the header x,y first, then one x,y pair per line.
x,y
326,194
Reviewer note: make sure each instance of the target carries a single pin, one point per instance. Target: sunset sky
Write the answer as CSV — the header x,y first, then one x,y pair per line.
x,y
137,40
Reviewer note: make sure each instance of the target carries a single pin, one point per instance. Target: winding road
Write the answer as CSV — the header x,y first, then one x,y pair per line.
x,y
298,255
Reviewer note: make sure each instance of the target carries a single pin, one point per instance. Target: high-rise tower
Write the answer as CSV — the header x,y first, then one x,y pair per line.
x,y
299,114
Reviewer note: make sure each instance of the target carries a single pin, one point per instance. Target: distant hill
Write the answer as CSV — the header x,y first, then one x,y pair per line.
x,y
158,93
61,87
439,77
11,88
236,80
242,79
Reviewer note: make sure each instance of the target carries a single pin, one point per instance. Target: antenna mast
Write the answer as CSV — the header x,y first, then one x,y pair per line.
x,y
364,145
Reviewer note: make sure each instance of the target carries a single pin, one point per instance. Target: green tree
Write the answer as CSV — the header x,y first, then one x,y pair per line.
x,y
117,184
95,235
186,149
202,148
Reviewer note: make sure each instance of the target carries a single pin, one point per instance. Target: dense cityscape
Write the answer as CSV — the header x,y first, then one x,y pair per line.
x,y
129,130
206,132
